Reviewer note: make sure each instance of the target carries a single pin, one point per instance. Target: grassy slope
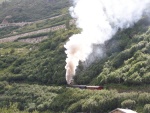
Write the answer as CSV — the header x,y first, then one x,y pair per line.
x,y
27,10
131,65
30,10
35,26
39,66
127,59
26,69
62,99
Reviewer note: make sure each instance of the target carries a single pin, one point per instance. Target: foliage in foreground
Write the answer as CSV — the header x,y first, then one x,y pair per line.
x,y
13,109
70,100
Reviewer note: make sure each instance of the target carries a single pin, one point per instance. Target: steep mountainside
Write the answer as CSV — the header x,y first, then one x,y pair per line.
x,y
31,10
127,58
32,75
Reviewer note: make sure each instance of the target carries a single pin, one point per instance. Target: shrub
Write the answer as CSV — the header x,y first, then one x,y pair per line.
x,y
19,61
146,78
144,98
126,96
13,109
147,108
76,107
115,77
128,104
31,107
134,79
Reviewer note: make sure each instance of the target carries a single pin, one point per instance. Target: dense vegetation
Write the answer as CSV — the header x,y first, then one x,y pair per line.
x,y
132,64
63,99
43,56
35,26
44,24
7,30
30,10
32,76
127,58
39,64
40,12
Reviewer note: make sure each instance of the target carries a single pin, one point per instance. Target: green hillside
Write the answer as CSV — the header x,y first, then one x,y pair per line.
x,y
24,66
32,75
127,58
31,10
42,63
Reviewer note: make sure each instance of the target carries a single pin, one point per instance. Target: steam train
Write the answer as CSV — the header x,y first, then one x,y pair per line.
x,y
87,87
71,84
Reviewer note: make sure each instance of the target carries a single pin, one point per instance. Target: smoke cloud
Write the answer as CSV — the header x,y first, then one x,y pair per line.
x,y
99,21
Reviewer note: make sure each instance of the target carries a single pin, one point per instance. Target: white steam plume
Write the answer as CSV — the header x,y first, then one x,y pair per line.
x,y
99,20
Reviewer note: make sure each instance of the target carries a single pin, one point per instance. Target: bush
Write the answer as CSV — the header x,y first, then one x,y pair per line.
x,y
3,86
115,77
144,98
31,107
134,79
146,78
19,62
147,108
13,109
128,104
76,107
125,96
